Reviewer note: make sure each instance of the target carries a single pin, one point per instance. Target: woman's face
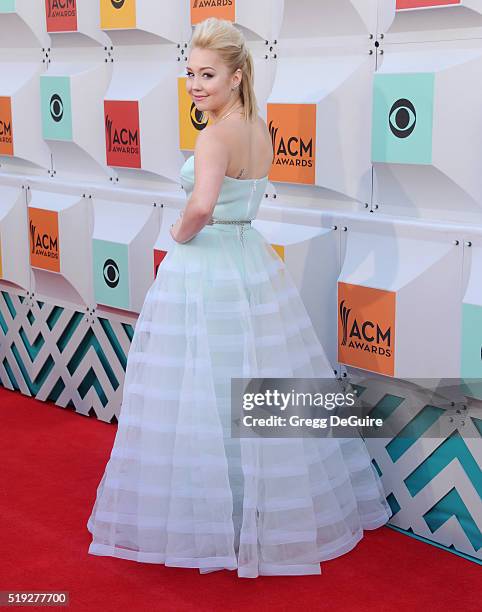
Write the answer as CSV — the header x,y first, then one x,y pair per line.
x,y
208,81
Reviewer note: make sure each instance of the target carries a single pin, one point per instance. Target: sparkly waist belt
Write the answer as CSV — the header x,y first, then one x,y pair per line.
x,y
230,221
240,222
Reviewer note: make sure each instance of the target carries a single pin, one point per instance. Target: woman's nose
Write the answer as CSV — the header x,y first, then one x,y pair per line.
x,y
196,84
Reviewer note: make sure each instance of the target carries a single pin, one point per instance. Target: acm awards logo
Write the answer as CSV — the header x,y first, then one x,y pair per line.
x,y
121,140
367,336
402,118
43,245
117,4
199,119
61,8
211,3
5,131
111,273
291,151
56,108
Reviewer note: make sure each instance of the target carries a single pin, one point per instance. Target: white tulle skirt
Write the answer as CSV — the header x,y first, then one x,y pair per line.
x,y
177,488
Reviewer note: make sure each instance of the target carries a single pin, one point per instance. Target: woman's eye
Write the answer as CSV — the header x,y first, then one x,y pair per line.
x,y
206,73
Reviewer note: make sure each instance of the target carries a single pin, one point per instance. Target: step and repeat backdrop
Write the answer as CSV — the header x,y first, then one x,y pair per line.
x,y
374,204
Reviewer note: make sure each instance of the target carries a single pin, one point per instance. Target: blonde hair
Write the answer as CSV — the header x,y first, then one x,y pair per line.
x,y
222,36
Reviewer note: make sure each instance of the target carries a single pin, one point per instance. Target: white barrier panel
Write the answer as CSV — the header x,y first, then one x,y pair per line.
x,y
425,140
122,253
433,20
315,19
20,124
145,20
471,362
22,24
319,127
14,261
138,136
399,296
260,18
60,227
74,17
73,119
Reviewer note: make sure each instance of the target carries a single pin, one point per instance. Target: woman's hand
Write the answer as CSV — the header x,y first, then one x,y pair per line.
x,y
186,228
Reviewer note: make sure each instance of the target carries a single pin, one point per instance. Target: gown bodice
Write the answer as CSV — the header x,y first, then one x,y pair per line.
x,y
238,198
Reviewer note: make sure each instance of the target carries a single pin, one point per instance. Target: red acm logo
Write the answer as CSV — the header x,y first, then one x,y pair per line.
x,y
61,15
122,133
411,4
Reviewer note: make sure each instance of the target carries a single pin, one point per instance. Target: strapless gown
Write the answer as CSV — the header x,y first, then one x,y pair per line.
x,y
177,489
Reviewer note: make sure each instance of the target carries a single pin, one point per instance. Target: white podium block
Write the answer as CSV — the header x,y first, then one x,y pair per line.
x,y
425,140
471,360
136,139
123,239
66,19
60,228
22,24
319,126
399,297
14,260
21,143
303,249
258,20
315,19
72,118
145,20
434,20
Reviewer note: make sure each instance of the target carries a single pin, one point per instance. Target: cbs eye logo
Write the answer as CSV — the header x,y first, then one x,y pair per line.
x,y
117,4
56,108
402,118
111,273
198,119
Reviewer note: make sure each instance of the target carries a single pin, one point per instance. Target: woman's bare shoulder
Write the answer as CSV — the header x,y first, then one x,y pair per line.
x,y
231,135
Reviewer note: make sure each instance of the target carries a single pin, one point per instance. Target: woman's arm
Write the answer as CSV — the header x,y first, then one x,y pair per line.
x,y
211,156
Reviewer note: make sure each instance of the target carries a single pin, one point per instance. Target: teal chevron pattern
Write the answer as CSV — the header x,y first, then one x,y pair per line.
x,y
61,355
433,484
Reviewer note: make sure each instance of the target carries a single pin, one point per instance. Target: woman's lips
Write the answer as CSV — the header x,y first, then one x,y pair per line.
x,y
199,97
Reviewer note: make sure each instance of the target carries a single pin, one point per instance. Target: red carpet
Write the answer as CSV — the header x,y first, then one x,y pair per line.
x,y
52,460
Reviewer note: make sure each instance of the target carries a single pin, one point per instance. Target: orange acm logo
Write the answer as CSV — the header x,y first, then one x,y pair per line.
x,y
366,328
222,9
44,239
6,130
293,135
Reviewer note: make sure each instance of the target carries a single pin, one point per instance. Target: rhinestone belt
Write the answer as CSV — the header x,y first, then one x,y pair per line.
x,y
241,222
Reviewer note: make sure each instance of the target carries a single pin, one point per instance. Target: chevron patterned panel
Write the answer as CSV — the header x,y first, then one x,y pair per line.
x,y
433,482
69,357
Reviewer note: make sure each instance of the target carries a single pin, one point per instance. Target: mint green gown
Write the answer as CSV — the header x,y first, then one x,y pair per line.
x,y
177,489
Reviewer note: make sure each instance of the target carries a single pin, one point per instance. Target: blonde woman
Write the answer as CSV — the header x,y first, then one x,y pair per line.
x,y
178,489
